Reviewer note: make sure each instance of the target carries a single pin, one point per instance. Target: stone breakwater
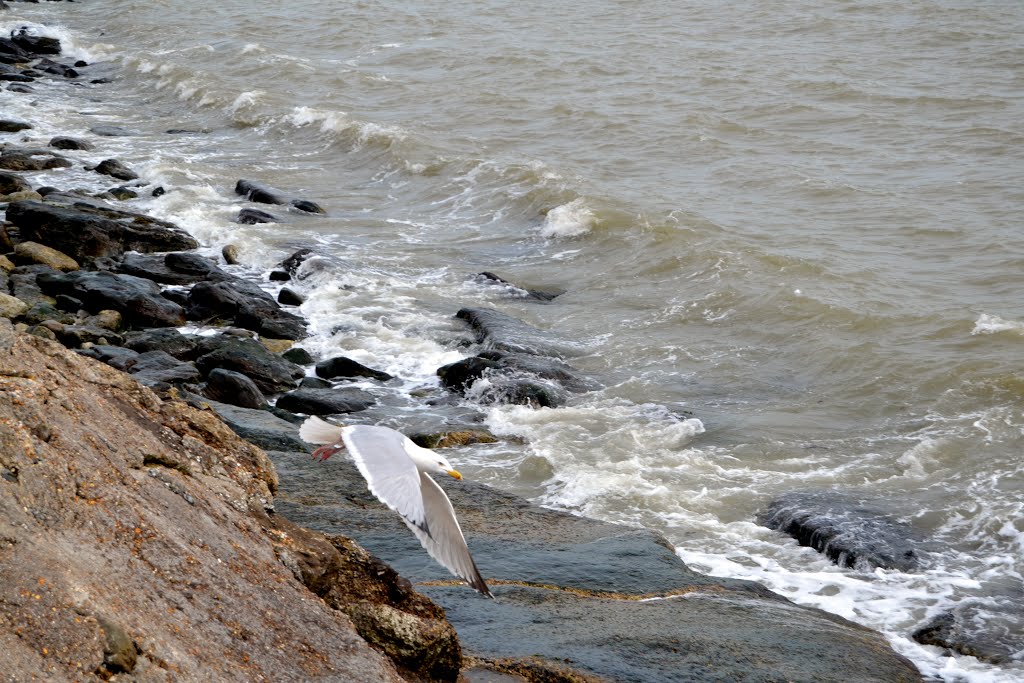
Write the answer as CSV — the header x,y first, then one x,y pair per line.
x,y
152,482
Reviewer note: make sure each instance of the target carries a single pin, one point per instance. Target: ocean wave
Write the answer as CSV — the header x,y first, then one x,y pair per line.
x,y
993,324
569,220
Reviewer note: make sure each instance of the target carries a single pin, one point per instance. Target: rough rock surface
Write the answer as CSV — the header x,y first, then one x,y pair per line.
x,y
154,557
572,592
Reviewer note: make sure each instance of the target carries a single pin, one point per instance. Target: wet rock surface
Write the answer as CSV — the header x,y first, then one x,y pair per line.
x,y
264,194
849,532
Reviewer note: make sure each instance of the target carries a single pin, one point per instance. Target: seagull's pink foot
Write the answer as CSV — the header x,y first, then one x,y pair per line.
x,y
325,452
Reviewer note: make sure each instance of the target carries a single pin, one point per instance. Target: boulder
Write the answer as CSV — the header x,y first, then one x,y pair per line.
x,y
138,300
169,340
115,169
289,297
246,305
12,182
848,531
114,356
23,283
346,367
230,254
498,331
259,427
535,394
990,631
249,216
156,367
20,159
11,307
271,373
298,356
263,194
65,142
326,401
291,264
33,252
12,53
55,68
33,44
8,126
169,269
227,386
83,231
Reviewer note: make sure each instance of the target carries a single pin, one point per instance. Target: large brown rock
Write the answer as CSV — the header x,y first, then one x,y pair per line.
x,y
135,540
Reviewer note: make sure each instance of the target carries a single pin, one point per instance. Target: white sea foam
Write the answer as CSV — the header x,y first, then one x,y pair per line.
x,y
568,220
992,324
361,132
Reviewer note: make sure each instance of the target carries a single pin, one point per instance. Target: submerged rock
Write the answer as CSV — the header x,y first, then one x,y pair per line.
x,y
264,194
346,367
18,159
515,290
65,142
501,332
847,531
116,169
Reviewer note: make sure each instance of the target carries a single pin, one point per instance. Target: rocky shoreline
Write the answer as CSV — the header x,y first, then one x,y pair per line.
x,y
153,482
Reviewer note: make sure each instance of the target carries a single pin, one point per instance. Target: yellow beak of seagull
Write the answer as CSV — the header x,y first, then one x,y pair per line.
x,y
455,474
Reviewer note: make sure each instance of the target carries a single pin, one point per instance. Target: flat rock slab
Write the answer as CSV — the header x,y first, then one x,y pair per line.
x,y
84,231
571,590
331,401
260,427
844,529
502,332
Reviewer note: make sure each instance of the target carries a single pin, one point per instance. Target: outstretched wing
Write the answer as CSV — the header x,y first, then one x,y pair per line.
x,y
390,473
444,540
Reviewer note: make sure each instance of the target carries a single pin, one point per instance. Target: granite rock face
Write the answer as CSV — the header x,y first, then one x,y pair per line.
x,y
135,541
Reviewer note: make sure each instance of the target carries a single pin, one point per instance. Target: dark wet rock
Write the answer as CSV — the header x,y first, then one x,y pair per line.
x,y
171,269
138,300
543,367
155,367
22,159
462,374
114,356
569,587
83,231
260,427
17,87
42,311
110,131
67,303
326,401
168,340
346,367
56,68
498,331
158,191
8,126
6,245
314,383
12,53
515,377
74,336
264,194
523,392
246,305
12,182
23,283
279,276
33,44
116,169
227,386
847,531
186,131
271,373
515,290
292,263
289,297
122,193
298,356
249,216
975,630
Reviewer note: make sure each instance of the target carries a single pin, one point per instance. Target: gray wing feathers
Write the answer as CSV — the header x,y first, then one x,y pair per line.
x,y
380,455
444,540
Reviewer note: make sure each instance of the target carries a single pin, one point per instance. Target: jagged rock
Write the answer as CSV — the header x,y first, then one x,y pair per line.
x,y
20,159
8,126
83,231
74,336
155,367
257,192
271,373
138,300
249,216
65,142
33,252
260,427
55,68
515,290
115,356
849,532
116,169
246,305
226,386
292,263
170,269
33,44
346,367
23,283
326,401
501,332
169,340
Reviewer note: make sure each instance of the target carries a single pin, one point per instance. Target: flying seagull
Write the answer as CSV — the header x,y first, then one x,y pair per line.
x,y
396,471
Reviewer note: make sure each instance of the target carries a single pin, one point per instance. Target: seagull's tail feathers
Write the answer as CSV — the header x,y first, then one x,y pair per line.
x,y
318,431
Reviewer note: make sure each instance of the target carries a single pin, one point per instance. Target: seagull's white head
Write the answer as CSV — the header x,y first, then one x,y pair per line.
x,y
429,461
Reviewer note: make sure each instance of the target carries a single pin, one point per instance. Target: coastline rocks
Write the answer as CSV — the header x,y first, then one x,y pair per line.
x,y
158,367
326,401
33,44
137,299
8,126
289,297
83,231
515,290
962,630
271,373
11,183
848,532
346,367
263,194
583,594
227,386
19,159
501,332
115,169
169,340
246,305
65,142
33,252
249,216
11,306
174,268
258,426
